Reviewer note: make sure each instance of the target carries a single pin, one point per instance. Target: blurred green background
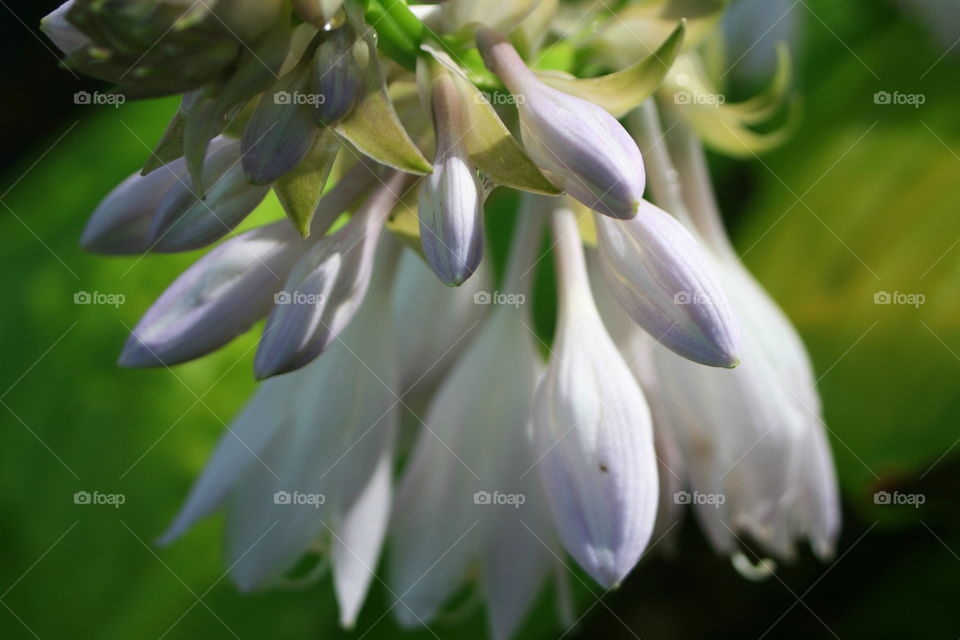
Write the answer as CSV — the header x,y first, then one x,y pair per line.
x,y
864,199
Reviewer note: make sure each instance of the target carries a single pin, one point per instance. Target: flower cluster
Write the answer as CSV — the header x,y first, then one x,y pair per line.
x,y
670,374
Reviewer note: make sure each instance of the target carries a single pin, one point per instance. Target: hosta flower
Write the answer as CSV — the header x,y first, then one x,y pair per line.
x,y
310,460
662,277
593,429
752,438
451,199
580,146
470,491
532,451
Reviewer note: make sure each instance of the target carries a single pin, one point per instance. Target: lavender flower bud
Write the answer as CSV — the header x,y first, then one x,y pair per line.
x,y
324,290
219,297
664,280
593,428
583,149
334,78
451,200
120,224
185,221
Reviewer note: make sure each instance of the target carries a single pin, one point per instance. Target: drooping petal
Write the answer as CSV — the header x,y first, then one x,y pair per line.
x,y
451,198
665,281
345,416
185,221
325,288
266,414
448,513
429,348
219,297
582,148
593,430
357,543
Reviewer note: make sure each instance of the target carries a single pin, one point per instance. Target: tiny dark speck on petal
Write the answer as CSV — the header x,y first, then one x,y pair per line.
x,y
604,468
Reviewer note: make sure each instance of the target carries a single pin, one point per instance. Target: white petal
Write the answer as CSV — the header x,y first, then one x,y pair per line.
x,y
358,540
432,341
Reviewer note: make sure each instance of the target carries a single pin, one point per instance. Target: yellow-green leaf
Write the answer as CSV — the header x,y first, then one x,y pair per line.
x,y
623,90
637,29
300,190
375,129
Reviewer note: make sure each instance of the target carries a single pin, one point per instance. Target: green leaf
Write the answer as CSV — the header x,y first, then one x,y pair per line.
x,y
300,190
170,146
488,141
623,90
374,127
730,136
765,104
636,30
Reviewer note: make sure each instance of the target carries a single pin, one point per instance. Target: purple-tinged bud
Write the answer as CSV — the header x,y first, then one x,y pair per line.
x,y
325,288
120,225
451,199
592,427
581,147
334,78
219,297
185,221
665,281
281,130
